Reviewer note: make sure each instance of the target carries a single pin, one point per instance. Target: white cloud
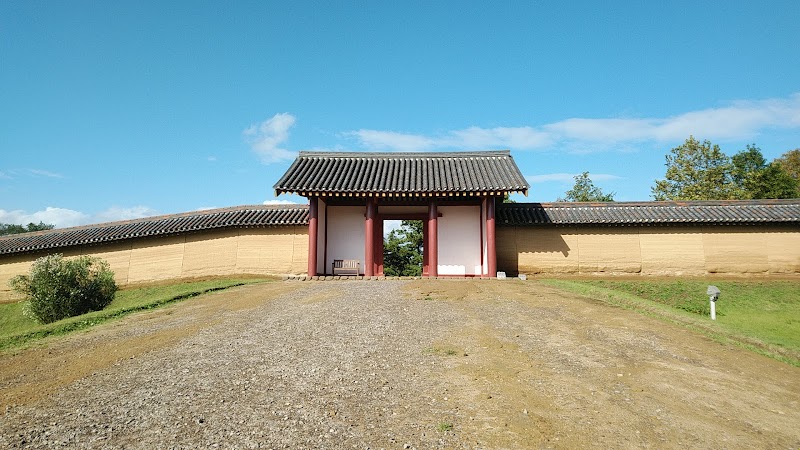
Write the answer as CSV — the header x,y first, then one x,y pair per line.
x,y
470,138
267,138
739,120
63,217
118,213
280,202
603,130
560,177
521,138
602,176
15,173
390,140
60,217
44,173
568,177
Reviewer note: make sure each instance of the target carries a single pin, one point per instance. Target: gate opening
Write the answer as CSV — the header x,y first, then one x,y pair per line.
x,y
403,248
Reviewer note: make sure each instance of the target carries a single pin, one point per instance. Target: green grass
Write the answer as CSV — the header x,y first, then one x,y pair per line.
x,y
762,315
17,330
444,426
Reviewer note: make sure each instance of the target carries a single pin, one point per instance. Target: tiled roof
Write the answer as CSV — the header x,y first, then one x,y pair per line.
x,y
649,213
401,174
237,217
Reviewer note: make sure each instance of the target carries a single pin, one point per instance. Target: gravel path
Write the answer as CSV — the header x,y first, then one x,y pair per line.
x,y
394,364
333,370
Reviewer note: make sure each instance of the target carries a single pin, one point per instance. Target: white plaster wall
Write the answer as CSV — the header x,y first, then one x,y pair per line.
x,y
345,234
459,240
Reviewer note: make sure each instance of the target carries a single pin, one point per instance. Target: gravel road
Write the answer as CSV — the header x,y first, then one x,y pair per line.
x,y
394,364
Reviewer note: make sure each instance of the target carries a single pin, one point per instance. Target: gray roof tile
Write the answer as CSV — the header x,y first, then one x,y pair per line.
x,y
653,213
237,217
353,173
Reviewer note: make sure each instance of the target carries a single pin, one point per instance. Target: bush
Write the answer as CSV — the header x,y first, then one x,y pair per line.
x,y
58,287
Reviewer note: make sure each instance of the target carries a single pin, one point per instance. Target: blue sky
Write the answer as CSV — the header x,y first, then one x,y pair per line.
x,y
117,110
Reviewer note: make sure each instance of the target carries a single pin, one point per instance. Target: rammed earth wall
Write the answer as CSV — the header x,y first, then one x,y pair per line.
x,y
262,251
656,250
283,250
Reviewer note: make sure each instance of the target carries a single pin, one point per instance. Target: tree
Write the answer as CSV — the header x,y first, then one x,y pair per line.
x,y
755,178
403,250
790,163
8,228
584,190
696,171
746,163
777,183
57,287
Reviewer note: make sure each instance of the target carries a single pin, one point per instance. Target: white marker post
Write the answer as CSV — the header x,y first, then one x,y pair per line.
x,y
713,309
713,294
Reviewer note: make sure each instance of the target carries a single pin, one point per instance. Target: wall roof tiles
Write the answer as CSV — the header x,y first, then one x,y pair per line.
x,y
259,216
650,213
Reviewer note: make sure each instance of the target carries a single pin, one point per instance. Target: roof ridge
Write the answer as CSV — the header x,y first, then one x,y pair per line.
x,y
357,154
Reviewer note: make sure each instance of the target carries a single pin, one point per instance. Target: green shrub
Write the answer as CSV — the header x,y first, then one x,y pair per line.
x,y
57,287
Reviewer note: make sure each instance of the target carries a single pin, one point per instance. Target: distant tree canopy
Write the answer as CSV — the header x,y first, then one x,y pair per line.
x,y
7,228
701,171
695,171
584,190
790,163
755,178
402,250
507,198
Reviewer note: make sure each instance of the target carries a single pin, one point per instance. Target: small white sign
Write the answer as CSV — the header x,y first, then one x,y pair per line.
x,y
501,275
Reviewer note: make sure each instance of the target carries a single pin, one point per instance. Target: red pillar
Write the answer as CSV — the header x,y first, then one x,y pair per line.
x,y
425,248
369,236
491,248
379,246
313,218
433,239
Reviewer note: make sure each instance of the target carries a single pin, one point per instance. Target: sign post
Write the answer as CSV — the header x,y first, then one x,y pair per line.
x,y
713,294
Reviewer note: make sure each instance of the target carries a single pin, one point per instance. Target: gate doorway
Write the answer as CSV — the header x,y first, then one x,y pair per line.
x,y
403,247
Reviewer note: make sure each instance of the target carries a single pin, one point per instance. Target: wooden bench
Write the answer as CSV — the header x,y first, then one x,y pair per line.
x,y
345,267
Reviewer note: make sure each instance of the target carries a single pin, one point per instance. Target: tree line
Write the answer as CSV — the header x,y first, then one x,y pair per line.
x,y
702,171
10,228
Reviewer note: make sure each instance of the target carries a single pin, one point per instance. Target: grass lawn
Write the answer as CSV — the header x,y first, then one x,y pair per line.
x,y
760,314
16,329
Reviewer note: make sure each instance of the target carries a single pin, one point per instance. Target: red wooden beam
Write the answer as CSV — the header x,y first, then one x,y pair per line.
x,y
379,246
491,247
433,239
313,218
369,236
425,249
